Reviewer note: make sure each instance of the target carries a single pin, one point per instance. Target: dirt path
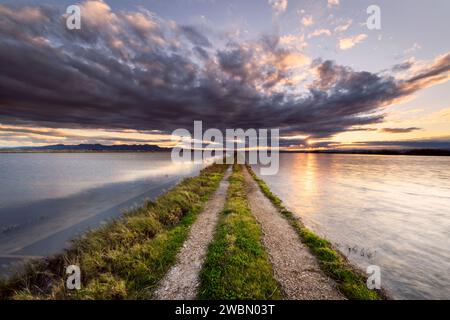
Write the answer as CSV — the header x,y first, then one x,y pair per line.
x,y
182,280
295,268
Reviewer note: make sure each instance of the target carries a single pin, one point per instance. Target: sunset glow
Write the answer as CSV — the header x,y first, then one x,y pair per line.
x,y
138,70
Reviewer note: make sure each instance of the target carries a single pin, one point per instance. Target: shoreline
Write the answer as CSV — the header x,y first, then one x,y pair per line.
x,y
402,152
77,151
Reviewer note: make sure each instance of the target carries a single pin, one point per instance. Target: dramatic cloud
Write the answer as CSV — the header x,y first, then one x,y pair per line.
x,y
399,130
402,66
429,74
135,70
195,36
69,138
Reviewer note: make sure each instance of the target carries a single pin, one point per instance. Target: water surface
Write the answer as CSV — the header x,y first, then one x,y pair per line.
x,y
46,199
390,211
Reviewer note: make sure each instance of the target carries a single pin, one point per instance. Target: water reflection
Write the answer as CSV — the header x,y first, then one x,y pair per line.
x,y
309,181
47,199
392,211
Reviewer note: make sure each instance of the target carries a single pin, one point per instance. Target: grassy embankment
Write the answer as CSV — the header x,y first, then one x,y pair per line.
x,y
351,282
237,266
126,258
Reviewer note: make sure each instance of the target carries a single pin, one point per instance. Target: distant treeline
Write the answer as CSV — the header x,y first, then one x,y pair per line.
x,y
407,152
155,148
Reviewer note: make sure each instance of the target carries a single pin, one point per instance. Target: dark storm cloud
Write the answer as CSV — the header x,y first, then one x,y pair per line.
x,y
133,70
195,36
402,66
201,52
436,72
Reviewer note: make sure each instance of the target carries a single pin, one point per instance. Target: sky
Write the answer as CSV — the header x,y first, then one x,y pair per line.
x,y
137,70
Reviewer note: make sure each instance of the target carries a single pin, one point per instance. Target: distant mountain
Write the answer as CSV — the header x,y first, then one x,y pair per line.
x,y
89,148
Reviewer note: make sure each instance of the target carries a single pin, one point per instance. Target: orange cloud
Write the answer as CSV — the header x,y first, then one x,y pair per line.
x,y
307,20
293,60
319,32
350,42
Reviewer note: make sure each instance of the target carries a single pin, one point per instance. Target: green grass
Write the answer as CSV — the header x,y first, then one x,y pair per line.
x,y
237,266
351,282
126,258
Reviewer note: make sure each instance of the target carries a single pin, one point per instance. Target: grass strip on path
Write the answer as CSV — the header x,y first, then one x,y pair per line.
x,y
237,265
126,258
351,282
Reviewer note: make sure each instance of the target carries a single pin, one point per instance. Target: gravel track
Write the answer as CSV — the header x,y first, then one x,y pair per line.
x,y
182,280
295,268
